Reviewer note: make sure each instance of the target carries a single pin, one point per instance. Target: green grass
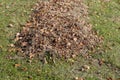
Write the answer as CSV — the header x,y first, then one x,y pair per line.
x,y
105,18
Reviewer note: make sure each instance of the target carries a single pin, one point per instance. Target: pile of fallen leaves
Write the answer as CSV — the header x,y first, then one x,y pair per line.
x,y
60,27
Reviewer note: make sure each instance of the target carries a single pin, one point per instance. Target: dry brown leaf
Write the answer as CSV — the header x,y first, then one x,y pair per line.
x,y
101,61
24,69
10,25
28,24
17,65
77,78
110,78
12,45
31,55
86,67
24,44
61,28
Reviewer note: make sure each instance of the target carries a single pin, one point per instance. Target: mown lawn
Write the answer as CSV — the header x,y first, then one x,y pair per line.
x,y
105,18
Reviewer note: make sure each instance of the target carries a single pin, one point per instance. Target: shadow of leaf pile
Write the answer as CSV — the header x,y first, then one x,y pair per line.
x,y
58,26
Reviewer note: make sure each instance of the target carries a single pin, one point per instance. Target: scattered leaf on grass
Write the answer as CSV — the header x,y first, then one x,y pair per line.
x,y
30,77
12,45
24,69
85,67
11,50
10,25
101,61
17,65
7,7
110,78
77,78
28,24
1,48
